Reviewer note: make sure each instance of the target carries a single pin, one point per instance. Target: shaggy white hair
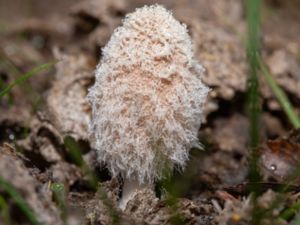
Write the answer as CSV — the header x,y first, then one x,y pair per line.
x,y
147,98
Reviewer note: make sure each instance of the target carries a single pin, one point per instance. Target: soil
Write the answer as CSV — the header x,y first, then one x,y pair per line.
x,y
40,115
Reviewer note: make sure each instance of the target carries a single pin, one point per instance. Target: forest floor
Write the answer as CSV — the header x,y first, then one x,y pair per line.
x,y
44,120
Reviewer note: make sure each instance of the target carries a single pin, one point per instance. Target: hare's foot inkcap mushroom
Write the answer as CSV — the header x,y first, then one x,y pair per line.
x,y
147,99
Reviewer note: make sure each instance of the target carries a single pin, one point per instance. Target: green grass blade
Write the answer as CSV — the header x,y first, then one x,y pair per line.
x,y
291,211
113,213
281,96
58,190
297,221
27,75
76,155
253,100
74,151
253,8
20,202
4,211
172,194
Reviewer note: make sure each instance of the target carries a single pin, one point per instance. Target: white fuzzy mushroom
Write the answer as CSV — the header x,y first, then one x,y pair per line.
x,y
147,99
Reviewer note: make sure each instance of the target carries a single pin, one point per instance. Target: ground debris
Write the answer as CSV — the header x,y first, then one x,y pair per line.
x,y
13,170
225,70
231,134
44,142
147,208
102,207
223,57
69,176
241,212
217,43
66,102
95,20
280,158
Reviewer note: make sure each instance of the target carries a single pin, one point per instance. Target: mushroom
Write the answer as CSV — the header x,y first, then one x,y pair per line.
x,y
147,99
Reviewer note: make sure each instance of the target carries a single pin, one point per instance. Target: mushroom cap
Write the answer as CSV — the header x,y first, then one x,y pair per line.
x,y
147,98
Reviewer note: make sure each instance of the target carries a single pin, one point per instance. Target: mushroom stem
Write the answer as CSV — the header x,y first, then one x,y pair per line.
x,y
130,188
